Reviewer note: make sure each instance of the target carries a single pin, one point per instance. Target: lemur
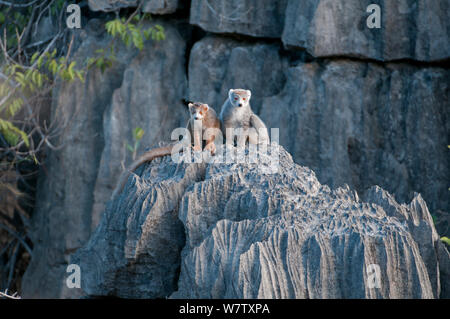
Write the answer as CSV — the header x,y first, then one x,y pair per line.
x,y
198,112
236,113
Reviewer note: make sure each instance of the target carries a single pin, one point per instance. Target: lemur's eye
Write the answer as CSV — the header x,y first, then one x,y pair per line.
x,y
243,98
235,98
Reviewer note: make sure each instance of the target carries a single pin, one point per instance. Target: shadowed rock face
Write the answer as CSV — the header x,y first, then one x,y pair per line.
x,y
364,124
102,113
254,18
62,217
409,29
352,122
245,231
150,6
149,98
218,64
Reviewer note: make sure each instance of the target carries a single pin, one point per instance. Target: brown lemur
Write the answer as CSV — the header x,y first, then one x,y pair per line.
x,y
237,114
198,112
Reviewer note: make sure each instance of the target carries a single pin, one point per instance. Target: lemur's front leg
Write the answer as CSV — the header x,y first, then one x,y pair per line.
x,y
197,140
210,146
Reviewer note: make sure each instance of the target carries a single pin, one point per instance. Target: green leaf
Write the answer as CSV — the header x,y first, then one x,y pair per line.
x,y
34,56
138,133
80,75
130,148
35,159
39,61
20,78
445,240
34,76
126,39
53,67
147,34
70,70
39,79
99,62
13,133
138,41
3,90
110,27
121,28
15,106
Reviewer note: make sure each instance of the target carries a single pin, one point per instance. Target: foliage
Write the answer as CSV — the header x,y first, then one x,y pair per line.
x,y
130,31
445,240
30,68
22,84
138,133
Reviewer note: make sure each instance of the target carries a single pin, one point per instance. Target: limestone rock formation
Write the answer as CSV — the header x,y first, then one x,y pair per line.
x,y
150,6
344,108
416,30
101,114
259,230
62,217
352,122
154,83
364,124
255,18
218,64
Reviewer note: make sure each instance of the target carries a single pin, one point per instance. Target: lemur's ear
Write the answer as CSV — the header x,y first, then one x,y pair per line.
x,y
205,107
230,93
190,105
249,93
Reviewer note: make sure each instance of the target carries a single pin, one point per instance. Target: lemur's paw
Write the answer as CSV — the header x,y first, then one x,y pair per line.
x,y
211,147
197,148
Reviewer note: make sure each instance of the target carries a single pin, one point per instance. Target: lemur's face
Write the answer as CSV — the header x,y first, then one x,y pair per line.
x,y
239,98
198,110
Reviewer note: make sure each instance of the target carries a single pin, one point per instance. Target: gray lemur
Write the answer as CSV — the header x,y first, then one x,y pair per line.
x,y
236,113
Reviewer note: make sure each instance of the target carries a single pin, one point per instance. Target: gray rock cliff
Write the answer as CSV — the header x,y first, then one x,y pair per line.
x,y
357,106
248,231
416,30
101,115
150,6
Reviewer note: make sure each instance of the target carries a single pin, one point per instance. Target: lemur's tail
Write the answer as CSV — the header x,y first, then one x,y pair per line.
x,y
146,157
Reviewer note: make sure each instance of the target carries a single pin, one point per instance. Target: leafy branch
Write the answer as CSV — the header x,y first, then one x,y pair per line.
x,y
29,70
130,31
138,133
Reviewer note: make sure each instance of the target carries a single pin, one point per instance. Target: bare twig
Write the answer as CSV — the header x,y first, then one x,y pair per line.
x,y
20,5
228,16
13,296
22,241
12,264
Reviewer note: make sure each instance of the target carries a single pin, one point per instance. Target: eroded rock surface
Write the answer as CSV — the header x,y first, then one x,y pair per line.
x,y
416,30
247,231
100,115
150,6
263,18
